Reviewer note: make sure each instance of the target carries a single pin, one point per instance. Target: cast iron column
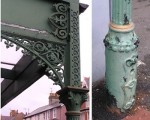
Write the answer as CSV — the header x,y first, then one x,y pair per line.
x,y
52,39
121,45
73,95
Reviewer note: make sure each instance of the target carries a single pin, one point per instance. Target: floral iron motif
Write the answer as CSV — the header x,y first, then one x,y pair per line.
x,y
47,54
59,20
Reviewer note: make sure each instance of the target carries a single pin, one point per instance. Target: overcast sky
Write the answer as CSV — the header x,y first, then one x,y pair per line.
x,y
37,95
100,22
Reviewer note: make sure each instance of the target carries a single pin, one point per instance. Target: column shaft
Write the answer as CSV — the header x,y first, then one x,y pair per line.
x,y
121,12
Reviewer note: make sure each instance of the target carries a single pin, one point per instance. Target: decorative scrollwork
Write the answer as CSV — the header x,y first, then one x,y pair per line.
x,y
59,20
131,62
75,48
47,54
129,81
129,104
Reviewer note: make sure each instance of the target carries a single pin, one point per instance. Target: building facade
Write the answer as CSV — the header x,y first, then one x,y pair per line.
x,y
53,111
56,111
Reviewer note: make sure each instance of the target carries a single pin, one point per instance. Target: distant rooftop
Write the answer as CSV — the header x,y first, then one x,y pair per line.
x,y
44,108
6,118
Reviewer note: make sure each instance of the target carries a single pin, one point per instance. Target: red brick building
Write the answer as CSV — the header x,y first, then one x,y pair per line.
x,y
53,111
14,115
56,110
85,106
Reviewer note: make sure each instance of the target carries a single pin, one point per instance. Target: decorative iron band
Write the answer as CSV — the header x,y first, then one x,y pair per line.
x,y
121,42
122,28
75,48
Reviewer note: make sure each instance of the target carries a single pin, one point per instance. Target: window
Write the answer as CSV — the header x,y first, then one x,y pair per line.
x,y
44,116
49,114
54,113
38,117
87,115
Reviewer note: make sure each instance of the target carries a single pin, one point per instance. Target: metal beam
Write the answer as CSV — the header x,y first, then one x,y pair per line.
x,y
22,64
28,72
7,74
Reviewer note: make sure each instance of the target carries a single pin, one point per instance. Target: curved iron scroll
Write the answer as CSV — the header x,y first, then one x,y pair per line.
x,y
59,20
48,54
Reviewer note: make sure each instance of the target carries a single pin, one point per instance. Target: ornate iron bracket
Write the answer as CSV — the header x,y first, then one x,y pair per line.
x,y
56,47
48,54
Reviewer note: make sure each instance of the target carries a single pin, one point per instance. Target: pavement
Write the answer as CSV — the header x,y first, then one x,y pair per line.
x,y
141,19
141,109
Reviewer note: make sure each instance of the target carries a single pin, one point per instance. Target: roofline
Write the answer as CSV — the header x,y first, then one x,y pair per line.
x,y
60,105
84,109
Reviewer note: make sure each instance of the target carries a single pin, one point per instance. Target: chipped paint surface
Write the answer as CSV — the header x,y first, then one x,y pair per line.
x,y
121,55
121,12
141,109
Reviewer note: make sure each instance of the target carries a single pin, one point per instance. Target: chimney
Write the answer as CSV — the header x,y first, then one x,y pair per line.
x,y
13,113
85,83
53,98
19,116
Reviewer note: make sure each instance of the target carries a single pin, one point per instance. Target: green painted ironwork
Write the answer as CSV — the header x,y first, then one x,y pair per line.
x,y
72,98
59,20
121,11
54,47
48,54
49,32
121,44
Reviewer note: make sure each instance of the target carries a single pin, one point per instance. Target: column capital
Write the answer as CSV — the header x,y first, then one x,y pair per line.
x,y
72,98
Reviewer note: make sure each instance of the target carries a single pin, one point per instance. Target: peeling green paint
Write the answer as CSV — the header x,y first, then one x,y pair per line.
x,y
121,44
121,11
